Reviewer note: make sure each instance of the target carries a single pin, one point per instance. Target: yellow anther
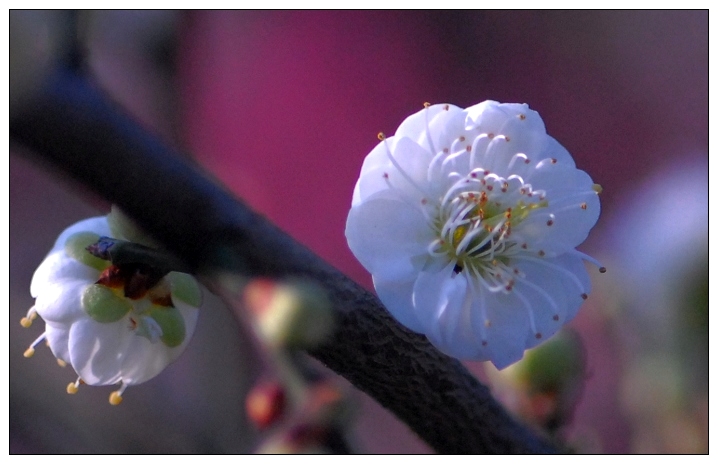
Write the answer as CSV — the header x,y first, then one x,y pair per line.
x,y
29,352
597,188
71,388
380,136
27,320
61,363
115,398
427,104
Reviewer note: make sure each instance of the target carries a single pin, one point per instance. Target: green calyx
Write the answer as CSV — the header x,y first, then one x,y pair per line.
x,y
103,305
171,322
185,288
76,245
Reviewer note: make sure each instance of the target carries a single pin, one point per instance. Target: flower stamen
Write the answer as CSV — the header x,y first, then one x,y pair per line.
x,y
116,396
31,350
26,321
73,387
590,259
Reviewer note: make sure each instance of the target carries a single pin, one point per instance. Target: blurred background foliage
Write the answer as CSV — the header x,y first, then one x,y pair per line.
x,y
282,107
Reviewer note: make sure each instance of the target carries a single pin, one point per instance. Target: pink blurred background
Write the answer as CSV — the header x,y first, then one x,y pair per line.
x,y
282,107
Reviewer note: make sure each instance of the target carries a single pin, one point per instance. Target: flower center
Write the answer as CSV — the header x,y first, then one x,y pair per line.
x,y
475,219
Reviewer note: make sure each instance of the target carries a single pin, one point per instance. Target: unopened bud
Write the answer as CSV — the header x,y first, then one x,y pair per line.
x,y
545,386
266,404
294,314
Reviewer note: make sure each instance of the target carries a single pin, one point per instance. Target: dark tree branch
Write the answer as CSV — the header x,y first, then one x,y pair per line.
x,y
73,127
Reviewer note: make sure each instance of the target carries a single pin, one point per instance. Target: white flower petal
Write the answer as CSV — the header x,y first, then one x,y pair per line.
x,y
414,127
573,210
57,266
507,328
58,336
453,330
144,360
377,158
446,128
60,302
97,350
385,234
558,179
550,148
398,299
439,299
491,117
382,174
569,226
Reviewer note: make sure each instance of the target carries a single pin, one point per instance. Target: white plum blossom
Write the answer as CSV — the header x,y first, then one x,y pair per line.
x,y
93,325
468,220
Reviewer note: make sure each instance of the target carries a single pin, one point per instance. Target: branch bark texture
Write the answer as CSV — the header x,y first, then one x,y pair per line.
x,y
74,128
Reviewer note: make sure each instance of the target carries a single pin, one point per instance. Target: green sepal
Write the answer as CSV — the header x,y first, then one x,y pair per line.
x,y
76,245
185,288
171,322
103,305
